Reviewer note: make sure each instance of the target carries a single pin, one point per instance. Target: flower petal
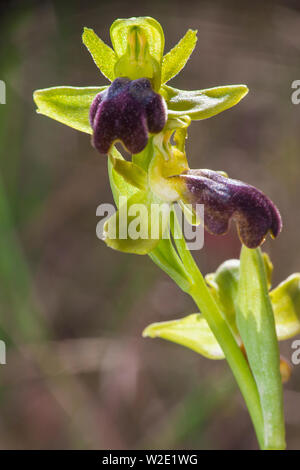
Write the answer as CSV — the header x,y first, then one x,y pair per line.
x,y
225,198
127,111
177,57
103,55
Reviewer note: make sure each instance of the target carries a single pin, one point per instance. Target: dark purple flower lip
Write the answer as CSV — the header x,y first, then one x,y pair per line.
x,y
127,111
225,199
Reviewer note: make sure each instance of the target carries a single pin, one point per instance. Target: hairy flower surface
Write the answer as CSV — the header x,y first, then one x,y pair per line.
x,y
127,111
225,198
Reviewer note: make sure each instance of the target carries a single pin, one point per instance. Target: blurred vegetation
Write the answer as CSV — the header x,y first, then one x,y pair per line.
x,y
78,373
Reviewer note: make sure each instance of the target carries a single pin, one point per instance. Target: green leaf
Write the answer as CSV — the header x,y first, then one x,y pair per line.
x,y
152,29
69,105
176,59
192,332
103,55
255,322
202,104
285,299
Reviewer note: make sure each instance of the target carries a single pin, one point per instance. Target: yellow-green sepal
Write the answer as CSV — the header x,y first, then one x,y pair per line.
x,y
192,332
68,105
151,28
202,104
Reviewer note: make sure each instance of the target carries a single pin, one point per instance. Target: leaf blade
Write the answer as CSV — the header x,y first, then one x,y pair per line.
x,y
256,324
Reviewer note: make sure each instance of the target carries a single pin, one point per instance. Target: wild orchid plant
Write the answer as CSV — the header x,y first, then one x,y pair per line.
x,y
240,319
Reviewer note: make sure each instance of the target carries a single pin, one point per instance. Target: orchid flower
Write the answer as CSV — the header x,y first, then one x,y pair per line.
x,y
240,319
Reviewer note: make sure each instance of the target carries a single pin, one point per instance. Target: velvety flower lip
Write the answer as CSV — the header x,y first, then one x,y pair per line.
x,y
127,111
224,198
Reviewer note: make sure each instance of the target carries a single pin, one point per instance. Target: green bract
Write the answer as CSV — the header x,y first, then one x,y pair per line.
x,y
192,332
150,189
164,254
255,321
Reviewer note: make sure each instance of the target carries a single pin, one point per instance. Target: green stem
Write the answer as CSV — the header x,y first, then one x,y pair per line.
x,y
233,354
202,297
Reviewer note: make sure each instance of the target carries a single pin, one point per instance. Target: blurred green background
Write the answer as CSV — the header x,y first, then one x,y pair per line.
x,y
78,374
